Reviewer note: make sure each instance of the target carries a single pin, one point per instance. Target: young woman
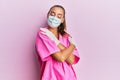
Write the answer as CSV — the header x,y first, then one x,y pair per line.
x,y
56,48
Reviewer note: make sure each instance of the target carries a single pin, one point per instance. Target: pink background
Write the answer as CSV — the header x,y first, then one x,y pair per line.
x,y
94,24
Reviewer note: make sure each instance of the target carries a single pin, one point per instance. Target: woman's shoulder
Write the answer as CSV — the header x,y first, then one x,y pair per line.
x,y
40,34
40,30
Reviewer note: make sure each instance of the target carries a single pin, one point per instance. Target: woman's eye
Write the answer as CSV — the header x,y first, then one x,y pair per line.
x,y
52,14
59,16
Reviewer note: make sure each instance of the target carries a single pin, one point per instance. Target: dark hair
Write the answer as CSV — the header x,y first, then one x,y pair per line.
x,y
62,27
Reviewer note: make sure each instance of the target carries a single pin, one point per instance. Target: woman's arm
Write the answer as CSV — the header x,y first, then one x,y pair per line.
x,y
71,58
65,54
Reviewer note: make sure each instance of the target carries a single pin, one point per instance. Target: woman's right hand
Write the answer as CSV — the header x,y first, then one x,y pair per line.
x,y
50,35
71,40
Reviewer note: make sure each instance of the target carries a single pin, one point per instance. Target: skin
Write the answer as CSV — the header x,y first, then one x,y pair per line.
x,y
65,53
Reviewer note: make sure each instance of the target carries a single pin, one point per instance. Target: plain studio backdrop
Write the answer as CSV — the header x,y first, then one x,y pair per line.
x,y
94,24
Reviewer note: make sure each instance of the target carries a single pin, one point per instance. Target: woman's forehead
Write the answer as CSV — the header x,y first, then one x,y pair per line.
x,y
57,10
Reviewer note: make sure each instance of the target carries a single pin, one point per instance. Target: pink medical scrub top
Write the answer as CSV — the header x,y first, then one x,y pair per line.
x,y
50,69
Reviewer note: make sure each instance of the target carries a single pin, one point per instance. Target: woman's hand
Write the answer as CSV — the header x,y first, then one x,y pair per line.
x,y
50,35
71,40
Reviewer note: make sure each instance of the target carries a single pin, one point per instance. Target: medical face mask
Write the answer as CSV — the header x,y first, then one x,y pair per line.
x,y
53,21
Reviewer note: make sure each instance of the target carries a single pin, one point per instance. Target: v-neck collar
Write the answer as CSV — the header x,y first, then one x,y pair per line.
x,y
59,35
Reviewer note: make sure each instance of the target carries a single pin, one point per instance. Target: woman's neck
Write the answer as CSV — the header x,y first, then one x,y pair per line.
x,y
54,31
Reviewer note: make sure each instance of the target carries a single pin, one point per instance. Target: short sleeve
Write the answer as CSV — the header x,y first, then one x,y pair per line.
x,y
77,56
45,46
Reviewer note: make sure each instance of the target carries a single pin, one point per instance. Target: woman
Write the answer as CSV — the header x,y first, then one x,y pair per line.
x,y
56,48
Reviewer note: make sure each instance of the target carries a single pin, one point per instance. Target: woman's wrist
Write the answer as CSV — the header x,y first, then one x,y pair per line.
x,y
61,46
72,45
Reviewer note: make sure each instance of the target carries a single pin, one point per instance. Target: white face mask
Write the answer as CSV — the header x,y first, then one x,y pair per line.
x,y
53,21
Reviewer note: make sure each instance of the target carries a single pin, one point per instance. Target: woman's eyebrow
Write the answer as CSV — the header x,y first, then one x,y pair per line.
x,y
52,12
59,14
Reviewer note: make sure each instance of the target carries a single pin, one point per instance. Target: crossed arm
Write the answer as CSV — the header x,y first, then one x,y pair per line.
x,y
65,54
